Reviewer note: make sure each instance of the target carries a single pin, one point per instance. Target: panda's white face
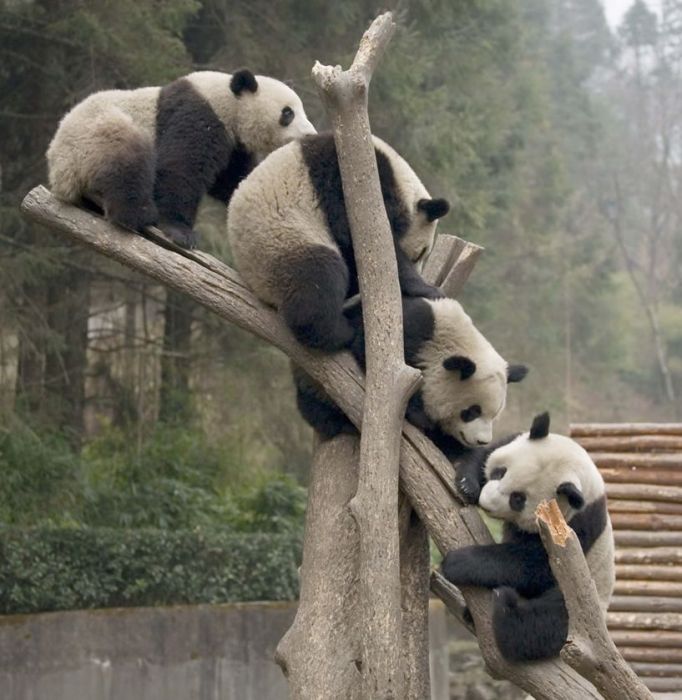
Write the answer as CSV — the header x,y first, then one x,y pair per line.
x,y
525,472
270,117
259,112
477,402
465,379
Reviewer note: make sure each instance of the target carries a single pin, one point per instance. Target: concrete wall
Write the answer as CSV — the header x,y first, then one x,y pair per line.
x,y
202,652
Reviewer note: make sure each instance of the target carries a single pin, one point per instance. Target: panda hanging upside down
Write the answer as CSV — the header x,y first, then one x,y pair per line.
x,y
148,156
508,480
464,386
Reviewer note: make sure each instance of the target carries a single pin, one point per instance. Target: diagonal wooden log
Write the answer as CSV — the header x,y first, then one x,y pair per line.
x,y
389,380
426,477
589,648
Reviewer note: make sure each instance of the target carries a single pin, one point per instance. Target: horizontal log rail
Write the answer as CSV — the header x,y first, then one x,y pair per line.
x,y
579,430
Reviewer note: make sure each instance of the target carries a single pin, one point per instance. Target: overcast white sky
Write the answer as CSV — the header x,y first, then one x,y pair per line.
x,y
615,9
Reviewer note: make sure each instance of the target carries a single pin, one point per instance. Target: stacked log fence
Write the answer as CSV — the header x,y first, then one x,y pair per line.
x,y
642,466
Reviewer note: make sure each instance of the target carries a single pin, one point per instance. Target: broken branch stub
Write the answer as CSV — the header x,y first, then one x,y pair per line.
x,y
589,648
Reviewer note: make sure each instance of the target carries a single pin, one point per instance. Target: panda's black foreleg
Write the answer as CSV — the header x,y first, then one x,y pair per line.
x,y
177,197
315,281
529,629
124,186
520,565
412,284
317,409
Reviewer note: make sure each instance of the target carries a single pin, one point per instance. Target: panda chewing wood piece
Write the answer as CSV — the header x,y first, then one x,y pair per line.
x,y
291,242
508,480
464,384
148,156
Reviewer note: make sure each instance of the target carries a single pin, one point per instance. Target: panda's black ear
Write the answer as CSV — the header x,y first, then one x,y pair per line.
x,y
242,80
458,362
433,208
540,427
573,494
515,373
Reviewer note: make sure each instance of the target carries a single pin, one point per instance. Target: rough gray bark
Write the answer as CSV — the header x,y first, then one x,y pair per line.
x,y
426,477
589,648
414,585
326,620
389,381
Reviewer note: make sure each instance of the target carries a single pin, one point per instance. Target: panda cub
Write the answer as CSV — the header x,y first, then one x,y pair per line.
x,y
148,156
508,480
464,384
290,237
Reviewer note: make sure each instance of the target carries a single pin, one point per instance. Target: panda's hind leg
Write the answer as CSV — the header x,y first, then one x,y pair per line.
x,y
315,284
123,184
529,629
317,409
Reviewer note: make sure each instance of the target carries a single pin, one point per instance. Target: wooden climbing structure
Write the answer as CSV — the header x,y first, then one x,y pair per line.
x,y
642,466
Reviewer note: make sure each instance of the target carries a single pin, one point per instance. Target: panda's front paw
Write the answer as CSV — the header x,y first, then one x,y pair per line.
x,y
505,599
423,289
469,488
183,235
431,292
458,565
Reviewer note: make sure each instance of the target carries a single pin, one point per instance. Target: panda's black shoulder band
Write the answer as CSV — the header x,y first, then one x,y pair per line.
x,y
243,79
540,427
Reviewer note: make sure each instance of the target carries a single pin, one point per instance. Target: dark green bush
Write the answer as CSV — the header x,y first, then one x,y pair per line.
x,y
46,569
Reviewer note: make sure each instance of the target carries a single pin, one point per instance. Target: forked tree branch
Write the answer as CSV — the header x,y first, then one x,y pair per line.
x,y
426,477
589,648
389,380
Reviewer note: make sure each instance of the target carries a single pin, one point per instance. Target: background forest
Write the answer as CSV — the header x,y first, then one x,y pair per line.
x,y
559,140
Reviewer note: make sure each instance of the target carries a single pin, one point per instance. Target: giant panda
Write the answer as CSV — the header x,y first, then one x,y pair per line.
x,y
508,480
291,241
147,156
464,384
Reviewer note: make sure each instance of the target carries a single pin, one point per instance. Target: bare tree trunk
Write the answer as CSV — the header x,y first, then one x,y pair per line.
x,y
320,653
647,303
68,300
389,381
174,394
31,351
414,580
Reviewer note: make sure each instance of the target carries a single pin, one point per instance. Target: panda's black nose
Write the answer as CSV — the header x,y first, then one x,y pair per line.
x,y
482,442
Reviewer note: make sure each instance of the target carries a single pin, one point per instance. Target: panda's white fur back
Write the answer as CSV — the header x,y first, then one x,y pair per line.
x,y
89,133
114,122
274,212
411,189
456,334
600,561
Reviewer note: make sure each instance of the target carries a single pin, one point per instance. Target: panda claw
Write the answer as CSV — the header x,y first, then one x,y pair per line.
x,y
467,490
506,598
183,236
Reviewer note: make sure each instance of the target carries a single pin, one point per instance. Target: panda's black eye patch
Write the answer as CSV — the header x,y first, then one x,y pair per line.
x,y
471,413
517,500
497,473
287,116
